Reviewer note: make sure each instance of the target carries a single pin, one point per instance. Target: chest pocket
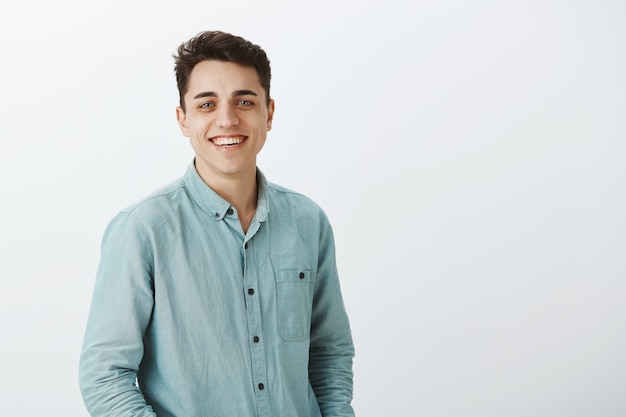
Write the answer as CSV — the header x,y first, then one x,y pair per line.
x,y
294,297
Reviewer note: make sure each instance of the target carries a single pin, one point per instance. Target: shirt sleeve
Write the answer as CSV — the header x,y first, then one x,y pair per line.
x,y
120,311
332,349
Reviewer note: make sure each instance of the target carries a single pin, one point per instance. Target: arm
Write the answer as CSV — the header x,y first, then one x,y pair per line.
x,y
120,312
331,350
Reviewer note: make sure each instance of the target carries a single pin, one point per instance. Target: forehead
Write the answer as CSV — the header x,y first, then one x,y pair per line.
x,y
223,77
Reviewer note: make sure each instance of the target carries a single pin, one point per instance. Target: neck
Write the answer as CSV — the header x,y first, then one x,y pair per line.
x,y
240,191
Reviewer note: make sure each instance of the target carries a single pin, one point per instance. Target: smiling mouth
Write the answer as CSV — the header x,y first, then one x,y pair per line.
x,y
227,141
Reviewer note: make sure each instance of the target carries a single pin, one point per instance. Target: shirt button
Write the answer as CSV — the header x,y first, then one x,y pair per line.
x,y
217,215
261,386
250,291
256,339
301,275
230,211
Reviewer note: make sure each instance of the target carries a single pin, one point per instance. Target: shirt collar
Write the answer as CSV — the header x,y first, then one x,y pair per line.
x,y
214,204
262,204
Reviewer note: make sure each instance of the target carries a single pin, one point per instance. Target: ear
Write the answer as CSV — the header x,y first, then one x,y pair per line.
x,y
270,115
182,121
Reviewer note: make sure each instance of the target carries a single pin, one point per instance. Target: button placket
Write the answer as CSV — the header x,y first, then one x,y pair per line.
x,y
253,314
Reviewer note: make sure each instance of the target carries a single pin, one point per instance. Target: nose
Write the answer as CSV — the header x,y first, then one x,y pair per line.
x,y
227,117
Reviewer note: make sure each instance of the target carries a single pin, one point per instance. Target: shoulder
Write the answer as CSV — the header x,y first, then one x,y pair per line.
x,y
138,224
156,205
164,195
285,195
284,199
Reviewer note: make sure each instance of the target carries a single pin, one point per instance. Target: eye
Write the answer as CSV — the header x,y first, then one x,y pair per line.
x,y
206,105
244,102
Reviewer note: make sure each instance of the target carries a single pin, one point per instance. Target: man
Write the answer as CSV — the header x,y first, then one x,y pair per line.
x,y
218,295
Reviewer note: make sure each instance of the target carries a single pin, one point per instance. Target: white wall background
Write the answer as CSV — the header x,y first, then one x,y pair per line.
x,y
469,154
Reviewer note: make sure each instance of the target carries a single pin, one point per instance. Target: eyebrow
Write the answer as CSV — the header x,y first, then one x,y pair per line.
x,y
236,93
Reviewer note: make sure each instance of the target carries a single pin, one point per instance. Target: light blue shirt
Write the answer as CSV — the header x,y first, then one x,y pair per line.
x,y
212,322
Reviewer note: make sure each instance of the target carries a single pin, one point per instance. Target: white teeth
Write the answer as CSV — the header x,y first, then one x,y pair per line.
x,y
225,141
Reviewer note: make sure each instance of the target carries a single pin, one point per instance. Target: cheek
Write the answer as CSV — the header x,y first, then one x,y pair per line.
x,y
197,125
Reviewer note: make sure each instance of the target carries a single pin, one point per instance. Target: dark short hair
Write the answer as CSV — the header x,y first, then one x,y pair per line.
x,y
220,46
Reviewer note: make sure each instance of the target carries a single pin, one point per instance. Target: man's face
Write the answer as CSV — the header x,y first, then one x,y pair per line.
x,y
226,119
